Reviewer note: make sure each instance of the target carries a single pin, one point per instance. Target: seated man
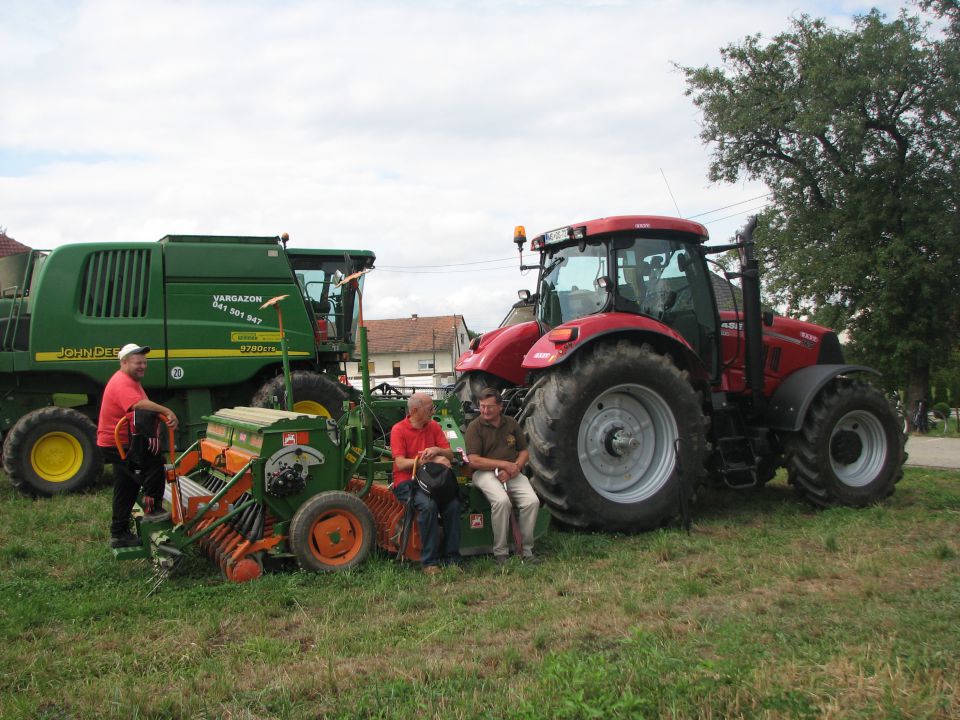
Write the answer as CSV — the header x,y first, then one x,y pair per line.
x,y
416,439
497,450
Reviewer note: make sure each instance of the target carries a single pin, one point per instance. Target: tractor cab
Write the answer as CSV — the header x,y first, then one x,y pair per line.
x,y
656,272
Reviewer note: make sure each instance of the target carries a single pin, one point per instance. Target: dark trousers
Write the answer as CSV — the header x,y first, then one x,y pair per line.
x,y
427,512
127,482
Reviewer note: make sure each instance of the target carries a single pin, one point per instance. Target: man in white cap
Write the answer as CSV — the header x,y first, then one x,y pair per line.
x,y
122,395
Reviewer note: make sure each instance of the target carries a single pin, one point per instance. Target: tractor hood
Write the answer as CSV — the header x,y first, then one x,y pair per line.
x,y
501,351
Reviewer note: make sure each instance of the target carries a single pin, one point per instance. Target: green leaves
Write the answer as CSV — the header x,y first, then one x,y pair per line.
x,y
855,132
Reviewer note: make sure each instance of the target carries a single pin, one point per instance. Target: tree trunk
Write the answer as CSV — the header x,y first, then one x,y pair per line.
x,y
918,388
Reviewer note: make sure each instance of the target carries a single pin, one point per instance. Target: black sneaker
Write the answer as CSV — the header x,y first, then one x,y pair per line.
x,y
128,539
158,515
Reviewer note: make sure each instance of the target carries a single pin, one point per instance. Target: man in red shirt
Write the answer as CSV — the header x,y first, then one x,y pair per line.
x,y
122,395
418,438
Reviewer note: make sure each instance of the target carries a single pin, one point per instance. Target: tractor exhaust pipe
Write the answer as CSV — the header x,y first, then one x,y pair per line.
x,y
752,314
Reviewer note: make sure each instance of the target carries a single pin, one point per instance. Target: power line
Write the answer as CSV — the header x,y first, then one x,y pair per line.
x,y
727,207
443,272
474,262
742,212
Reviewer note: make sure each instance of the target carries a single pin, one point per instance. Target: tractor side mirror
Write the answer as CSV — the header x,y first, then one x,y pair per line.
x,y
768,318
603,283
524,295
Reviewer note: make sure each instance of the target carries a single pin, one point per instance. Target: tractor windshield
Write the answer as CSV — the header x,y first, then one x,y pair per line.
x,y
568,288
662,277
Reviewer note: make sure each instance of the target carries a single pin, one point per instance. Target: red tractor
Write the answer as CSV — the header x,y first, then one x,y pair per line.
x,y
634,387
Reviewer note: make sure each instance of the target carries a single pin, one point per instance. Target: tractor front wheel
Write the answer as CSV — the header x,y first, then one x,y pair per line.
x,y
332,531
312,393
850,450
603,431
471,384
52,451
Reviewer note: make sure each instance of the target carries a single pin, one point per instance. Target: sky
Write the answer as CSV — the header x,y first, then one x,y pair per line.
x,y
422,130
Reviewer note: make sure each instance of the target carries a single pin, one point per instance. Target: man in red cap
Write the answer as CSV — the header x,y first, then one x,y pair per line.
x,y
122,395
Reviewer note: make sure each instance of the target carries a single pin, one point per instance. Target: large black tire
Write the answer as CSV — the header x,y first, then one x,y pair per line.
x,y
312,393
602,432
470,385
52,451
850,450
332,531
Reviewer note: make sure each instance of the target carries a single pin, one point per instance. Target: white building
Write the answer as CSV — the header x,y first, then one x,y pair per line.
x,y
414,352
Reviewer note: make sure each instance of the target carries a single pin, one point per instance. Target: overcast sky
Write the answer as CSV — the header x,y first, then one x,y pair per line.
x,y
423,130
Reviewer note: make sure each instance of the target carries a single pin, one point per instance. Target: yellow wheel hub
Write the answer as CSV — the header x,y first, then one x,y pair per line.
x,y
56,457
312,407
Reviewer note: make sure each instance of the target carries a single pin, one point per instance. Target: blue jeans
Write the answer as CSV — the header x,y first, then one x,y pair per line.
x,y
427,512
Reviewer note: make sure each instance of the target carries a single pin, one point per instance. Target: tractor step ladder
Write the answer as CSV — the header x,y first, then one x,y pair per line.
x,y
737,457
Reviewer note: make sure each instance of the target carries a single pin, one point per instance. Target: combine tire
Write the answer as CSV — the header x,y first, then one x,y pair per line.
x,y
52,451
850,448
312,393
332,531
602,430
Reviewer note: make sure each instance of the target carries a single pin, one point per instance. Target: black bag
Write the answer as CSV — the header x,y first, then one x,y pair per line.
x,y
437,481
146,439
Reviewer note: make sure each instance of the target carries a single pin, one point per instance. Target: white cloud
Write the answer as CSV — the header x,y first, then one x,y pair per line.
x,y
422,131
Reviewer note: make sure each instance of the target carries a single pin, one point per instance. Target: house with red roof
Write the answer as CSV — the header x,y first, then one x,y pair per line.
x,y
414,351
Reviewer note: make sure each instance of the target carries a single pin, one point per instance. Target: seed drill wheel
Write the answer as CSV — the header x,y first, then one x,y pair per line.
x,y
602,430
850,450
52,450
312,393
332,531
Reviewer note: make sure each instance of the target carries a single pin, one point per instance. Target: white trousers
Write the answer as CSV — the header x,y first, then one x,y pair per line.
x,y
503,497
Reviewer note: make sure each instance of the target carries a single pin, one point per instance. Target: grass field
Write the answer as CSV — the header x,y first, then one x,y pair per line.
x,y
768,609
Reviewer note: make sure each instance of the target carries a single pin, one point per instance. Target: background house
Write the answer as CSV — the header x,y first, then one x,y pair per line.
x,y
414,352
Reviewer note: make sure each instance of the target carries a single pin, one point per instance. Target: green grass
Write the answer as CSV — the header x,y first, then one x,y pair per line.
x,y
769,609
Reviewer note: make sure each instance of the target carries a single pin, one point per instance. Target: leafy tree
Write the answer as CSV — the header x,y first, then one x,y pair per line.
x,y
856,134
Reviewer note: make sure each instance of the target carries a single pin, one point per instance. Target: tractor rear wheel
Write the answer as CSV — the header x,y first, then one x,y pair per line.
x,y
312,393
332,531
52,451
850,450
602,431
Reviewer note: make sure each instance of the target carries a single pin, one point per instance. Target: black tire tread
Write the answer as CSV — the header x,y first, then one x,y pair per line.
x,y
547,441
306,385
803,461
16,450
306,516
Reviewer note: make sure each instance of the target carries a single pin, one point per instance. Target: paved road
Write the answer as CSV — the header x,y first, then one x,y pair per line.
x,y
927,451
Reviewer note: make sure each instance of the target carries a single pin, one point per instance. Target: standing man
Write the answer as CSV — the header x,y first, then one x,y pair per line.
x,y
416,439
122,395
498,451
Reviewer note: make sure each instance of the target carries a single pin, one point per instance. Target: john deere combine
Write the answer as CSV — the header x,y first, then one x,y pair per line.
x,y
265,484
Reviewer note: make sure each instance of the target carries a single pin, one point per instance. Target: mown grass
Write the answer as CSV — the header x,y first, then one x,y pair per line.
x,y
768,609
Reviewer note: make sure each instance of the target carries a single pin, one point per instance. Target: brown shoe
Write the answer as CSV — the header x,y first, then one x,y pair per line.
x,y
431,570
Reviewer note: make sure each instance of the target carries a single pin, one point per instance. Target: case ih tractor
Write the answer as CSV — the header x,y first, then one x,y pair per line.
x,y
634,388
195,300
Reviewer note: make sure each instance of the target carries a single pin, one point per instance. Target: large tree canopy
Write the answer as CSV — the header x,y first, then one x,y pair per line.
x,y
856,134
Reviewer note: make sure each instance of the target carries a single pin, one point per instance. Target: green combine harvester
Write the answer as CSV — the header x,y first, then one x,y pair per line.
x,y
197,301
